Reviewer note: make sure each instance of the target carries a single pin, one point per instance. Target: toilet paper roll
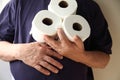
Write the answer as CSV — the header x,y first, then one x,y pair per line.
x,y
63,8
44,23
76,25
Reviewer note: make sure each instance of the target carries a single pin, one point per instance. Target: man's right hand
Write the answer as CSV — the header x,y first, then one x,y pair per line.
x,y
39,56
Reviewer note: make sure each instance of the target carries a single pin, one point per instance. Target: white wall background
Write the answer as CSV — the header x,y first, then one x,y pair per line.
x,y
111,10
4,66
4,71
3,3
0,5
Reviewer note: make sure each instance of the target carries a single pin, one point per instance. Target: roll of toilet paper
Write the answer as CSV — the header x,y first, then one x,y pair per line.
x,y
63,8
44,23
76,25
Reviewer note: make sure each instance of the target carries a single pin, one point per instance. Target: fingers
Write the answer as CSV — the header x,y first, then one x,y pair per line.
x,y
55,44
40,58
49,63
53,62
42,70
54,54
78,41
63,38
51,42
49,67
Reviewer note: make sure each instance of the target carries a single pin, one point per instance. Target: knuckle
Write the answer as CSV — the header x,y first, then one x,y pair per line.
x,y
38,67
41,48
46,58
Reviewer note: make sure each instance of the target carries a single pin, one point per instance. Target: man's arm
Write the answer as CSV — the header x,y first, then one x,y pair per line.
x,y
34,54
8,51
75,50
95,59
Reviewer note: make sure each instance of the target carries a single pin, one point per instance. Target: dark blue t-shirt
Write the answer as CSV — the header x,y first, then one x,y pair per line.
x,y
15,25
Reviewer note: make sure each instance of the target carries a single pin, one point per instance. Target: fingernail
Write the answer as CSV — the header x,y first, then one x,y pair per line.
x,y
61,67
48,73
56,71
61,57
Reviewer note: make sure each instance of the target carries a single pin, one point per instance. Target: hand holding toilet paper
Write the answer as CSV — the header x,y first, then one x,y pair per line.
x,y
60,13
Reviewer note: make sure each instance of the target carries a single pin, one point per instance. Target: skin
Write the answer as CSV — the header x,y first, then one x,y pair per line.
x,y
39,55
75,50
36,55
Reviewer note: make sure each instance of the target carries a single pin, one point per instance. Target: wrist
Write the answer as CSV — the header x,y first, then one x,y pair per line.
x,y
16,48
83,57
8,51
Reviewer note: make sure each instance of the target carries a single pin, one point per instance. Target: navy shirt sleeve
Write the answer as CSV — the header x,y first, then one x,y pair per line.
x,y
101,39
7,20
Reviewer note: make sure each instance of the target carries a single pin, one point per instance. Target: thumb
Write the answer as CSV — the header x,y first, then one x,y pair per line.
x,y
77,40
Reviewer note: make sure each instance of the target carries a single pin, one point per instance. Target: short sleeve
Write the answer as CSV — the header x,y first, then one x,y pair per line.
x,y
7,22
101,38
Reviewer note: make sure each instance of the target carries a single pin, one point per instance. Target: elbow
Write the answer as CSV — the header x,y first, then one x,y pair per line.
x,y
105,62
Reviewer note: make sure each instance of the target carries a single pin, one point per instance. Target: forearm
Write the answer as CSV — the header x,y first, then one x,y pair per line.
x,y
7,51
95,59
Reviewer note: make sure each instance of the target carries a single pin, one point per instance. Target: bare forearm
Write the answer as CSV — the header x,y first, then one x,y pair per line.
x,y
95,59
77,52
7,51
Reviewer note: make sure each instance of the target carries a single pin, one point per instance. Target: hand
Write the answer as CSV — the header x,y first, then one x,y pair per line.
x,y
39,56
70,49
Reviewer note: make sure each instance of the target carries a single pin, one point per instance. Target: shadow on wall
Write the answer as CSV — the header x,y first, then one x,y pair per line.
x,y
111,10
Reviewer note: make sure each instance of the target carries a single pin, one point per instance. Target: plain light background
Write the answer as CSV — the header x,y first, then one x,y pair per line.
x,y
111,10
4,66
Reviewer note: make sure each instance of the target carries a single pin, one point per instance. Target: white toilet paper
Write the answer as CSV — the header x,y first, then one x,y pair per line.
x,y
63,8
44,23
76,25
